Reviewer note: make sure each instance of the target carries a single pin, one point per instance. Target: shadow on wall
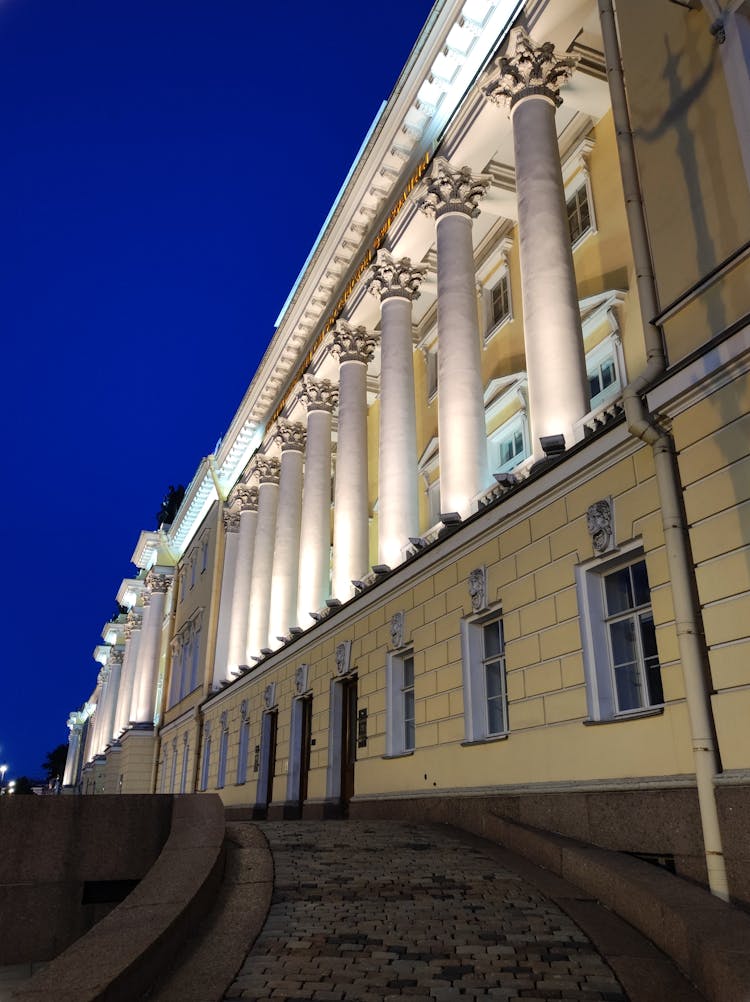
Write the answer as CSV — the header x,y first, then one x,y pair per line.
x,y
67,861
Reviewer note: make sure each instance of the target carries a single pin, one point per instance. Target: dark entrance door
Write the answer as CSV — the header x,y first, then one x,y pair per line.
x,y
304,751
348,740
270,754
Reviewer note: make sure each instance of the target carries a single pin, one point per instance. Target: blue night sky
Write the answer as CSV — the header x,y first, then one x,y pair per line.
x,y
166,166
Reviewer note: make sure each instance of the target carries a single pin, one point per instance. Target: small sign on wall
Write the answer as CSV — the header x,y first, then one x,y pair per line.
x,y
362,728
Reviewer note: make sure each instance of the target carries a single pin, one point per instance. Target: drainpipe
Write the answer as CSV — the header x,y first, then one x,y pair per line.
x,y
642,426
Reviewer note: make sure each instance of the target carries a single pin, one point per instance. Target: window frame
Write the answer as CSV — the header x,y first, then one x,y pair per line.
x,y
243,744
396,739
475,662
598,661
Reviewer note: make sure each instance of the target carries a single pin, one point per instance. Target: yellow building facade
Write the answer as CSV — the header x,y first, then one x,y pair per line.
x,y
477,537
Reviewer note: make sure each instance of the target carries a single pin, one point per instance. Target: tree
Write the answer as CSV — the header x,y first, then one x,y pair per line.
x,y
170,504
54,763
23,786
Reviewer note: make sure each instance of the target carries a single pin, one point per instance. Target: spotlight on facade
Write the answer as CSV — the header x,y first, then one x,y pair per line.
x,y
265,651
417,542
333,603
450,518
295,631
378,569
256,657
317,616
359,585
553,445
283,640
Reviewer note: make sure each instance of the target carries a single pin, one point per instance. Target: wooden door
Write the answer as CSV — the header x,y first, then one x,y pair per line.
x,y
348,739
304,751
270,757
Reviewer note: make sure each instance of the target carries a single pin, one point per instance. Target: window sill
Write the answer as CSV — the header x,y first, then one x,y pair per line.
x,y
490,739
650,711
399,754
496,326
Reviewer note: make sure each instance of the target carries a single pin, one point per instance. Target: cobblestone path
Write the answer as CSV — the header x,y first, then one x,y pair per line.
x,y
373,911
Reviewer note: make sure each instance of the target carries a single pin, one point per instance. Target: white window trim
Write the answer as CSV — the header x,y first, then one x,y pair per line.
x,y
475,688
243,749
395,734
184,771
493,269
221,772
576,175
600,689
206,757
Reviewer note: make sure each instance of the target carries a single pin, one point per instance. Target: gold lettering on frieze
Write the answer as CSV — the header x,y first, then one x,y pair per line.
x,y
351,284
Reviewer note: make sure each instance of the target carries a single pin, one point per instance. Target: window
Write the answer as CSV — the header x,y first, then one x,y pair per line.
x,y
431,365
500,301
173,773
579,214
509,445
223,748
185,756
206,760
244,744
204,553
401,718
603,375
620,652
485,693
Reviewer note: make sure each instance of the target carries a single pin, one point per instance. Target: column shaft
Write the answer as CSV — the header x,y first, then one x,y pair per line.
x,y
315,534
555,361
283,612
224,623
398,502
461,427
127,682
144,688
243,574
350,508
260,588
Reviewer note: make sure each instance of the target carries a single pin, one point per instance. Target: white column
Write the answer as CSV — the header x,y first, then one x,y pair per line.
x,y
314,587
247,498
354,348
75,726
284,579
529,81
267,470
114,663
451,196
396,283
127,678
147,669
102,679
231,519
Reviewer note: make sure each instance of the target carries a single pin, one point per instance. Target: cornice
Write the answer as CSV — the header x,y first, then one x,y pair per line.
x,y
449,53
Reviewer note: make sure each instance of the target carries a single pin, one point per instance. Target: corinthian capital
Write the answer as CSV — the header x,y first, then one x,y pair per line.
x,y
158,582
231,520
352,344
451,189
268,469
115,656
533,70
319,394
291,435
394,278
246,497
134,622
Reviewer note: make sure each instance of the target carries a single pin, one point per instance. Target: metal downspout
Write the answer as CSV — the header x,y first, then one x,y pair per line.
x,y
642,425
